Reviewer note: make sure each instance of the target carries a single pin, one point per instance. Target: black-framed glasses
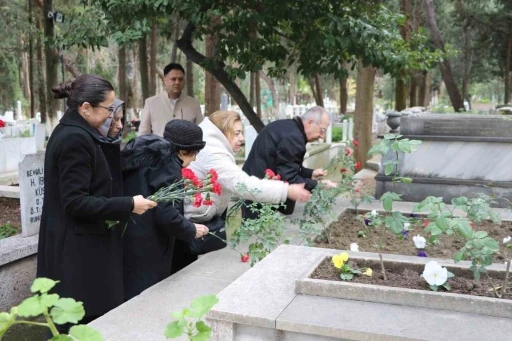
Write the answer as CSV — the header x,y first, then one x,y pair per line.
x,y
110,109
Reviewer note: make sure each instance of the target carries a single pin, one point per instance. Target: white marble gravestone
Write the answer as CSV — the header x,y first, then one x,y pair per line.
x,y
31,181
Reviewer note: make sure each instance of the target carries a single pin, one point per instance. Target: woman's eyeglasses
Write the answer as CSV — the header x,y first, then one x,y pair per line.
x,y
110,109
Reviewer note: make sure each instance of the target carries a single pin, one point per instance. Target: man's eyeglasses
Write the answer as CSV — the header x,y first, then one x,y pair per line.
x,y
322,130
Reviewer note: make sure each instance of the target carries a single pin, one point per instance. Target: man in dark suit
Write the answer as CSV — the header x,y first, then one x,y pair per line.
x,y
281,147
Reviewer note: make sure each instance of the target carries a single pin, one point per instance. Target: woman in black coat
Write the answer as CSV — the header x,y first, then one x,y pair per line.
x,y
150,163
75,245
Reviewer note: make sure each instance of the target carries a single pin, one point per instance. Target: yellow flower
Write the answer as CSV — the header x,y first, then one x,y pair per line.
x,y
339,260
344,256
368,272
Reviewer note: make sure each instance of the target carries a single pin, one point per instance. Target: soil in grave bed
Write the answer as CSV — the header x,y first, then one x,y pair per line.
x,y
345,231
408,276
10,212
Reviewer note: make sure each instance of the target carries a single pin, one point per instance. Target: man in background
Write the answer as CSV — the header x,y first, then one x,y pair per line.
x,y
170,104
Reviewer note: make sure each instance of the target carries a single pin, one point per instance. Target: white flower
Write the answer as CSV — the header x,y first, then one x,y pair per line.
x,y
407,226
506,239
419,241
374,213
434,273
354,247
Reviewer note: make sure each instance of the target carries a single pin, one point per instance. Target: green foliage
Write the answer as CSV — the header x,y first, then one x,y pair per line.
x,y
268,229
131,135
198,330
478,247
337,134
63,310
7,230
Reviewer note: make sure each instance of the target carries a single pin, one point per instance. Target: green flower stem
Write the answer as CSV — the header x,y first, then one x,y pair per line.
x,y
462,240
505,281
33,323
51,325
225,241
382,268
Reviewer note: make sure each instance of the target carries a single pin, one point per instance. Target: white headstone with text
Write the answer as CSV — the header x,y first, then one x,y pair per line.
x,y
40,136
31,180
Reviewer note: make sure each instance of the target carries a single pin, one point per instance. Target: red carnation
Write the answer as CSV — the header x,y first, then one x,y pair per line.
x,y
217,189
198,199
2,124
358,165
208,202
343,170
354,141
245,258
214,175
188,173
269,173
426,223
348,151
278,177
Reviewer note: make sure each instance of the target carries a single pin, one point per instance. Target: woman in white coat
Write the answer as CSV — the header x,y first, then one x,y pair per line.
x,y
223,133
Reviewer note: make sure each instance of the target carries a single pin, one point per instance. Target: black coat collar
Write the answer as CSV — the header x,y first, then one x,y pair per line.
x,y
300,124
73,118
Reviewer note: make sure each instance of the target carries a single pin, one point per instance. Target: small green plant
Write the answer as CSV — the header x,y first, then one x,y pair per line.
x,y
477,247
268,228
188,321
7,230
393,221
347,272
56,310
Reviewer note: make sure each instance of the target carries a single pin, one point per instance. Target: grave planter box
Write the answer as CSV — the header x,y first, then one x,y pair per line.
x,y
489,306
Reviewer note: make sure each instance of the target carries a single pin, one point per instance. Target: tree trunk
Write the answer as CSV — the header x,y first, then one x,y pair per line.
x,y
31,62
363,115
174,51
51,62
291,73
319,95
311,82
273,92
405,32
144,72
217,69
257,90
70,65
134,85
190,78
508,67
425,83
26,73
444,66
343,91
41,81
152,65
400,95
211,85
121,73
413,90
252,90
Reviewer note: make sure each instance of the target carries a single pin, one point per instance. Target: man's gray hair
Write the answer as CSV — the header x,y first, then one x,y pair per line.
x,y
314,113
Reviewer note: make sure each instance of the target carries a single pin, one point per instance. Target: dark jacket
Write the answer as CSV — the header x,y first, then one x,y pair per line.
x,y
148,165
281,147
75,246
